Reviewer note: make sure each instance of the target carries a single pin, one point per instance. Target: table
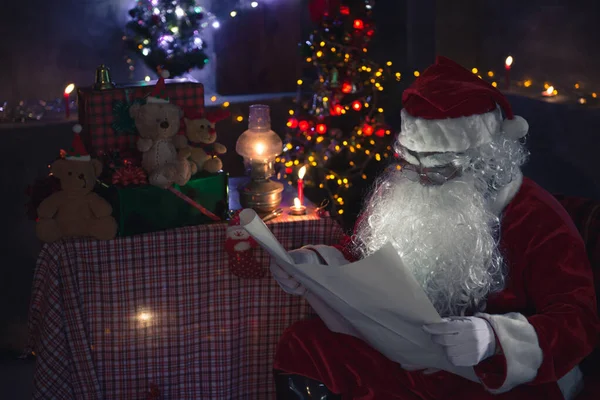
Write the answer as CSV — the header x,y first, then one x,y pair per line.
x,y
109,319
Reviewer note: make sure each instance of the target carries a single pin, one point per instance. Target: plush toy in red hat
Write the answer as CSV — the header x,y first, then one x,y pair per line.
x,y
202,136
240,248
75,210
450,109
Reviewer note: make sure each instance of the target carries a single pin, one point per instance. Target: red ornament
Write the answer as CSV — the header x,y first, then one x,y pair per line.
x,y
303,125
356,105
288,170
380,132
346,87
319,9
321,129
129,175
345,10
370,32
367,130
292,123
359,24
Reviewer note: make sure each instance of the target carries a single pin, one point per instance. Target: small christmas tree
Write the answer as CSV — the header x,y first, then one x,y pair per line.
x,y
338,131
167,34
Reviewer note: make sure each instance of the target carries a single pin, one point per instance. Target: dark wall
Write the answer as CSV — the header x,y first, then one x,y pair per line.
x,y
555,40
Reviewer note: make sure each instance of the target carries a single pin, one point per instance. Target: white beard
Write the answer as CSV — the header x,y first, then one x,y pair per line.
x,y
446,235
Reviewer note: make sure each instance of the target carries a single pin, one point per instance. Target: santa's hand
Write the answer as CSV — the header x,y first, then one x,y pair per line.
x,y
287,282
466,340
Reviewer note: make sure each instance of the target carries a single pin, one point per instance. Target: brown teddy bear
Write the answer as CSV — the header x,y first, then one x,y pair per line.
x,y
202,136
158,122
75,210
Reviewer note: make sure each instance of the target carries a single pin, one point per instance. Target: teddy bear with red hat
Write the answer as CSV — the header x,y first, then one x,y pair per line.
x,y
202,135
158,122
75,210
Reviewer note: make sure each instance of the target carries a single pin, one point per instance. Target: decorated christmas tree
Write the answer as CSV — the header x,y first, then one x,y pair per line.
x,y
167,34
337,128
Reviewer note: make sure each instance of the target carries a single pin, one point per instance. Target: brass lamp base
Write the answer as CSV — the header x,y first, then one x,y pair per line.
x,y
264,196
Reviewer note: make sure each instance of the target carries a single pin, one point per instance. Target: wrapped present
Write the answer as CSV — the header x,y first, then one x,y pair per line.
x,y
104,114
145,208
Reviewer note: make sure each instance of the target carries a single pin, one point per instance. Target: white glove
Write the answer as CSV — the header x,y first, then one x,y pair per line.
x,y
287,282
466,340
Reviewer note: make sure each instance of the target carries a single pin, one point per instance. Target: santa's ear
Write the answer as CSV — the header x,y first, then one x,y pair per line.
x,y
134,110
59,168
97,165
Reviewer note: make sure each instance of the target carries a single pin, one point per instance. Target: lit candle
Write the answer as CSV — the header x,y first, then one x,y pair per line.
x,y
67,94
507,65
550,92
297,208
301,173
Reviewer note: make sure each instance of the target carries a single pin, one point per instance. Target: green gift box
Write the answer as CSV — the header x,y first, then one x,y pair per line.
x,y
144,209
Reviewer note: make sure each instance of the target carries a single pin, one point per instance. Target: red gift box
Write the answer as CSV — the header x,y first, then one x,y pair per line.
x,y
97,113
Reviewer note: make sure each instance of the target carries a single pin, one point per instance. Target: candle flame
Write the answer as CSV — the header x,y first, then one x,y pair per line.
x,y
509,61
302,172
297,203
70,87
550,90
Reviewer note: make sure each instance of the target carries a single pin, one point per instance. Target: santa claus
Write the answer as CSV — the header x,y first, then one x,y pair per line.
x,y
497,255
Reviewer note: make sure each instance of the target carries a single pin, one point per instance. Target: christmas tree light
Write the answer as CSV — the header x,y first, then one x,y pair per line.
x,y
339,131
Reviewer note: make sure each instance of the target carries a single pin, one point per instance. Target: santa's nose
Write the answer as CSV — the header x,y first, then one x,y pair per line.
x,y
212,131
164,124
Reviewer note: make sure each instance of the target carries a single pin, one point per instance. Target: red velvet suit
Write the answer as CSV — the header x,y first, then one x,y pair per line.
x,y
550,284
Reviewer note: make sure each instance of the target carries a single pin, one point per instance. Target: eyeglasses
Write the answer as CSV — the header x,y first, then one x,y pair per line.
x,y
428,175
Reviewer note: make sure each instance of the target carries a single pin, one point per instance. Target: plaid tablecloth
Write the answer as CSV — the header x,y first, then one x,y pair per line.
x,y
109,319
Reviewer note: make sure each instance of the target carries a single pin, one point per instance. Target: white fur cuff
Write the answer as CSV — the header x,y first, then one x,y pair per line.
x,y
520,346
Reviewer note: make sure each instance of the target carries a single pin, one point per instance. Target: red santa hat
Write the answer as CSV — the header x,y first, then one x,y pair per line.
x,y
77,152
159,93
450,109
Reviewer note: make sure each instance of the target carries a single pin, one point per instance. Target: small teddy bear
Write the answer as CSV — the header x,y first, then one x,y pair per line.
x,y
158,122
202,136
75,210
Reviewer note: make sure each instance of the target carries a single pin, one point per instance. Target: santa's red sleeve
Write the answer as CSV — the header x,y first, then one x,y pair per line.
x,y
548,255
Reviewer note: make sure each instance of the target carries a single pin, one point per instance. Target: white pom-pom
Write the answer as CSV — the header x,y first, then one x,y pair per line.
x,y
515,128
165,74
77,128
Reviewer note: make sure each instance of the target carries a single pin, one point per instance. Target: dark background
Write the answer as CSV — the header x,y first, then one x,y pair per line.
x,y
45,45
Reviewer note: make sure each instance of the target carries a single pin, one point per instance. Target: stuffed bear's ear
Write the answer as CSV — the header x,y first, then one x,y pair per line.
x,y
134,110
59,168
97,165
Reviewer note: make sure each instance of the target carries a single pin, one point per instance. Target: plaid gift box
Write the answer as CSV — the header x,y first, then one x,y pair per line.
x,y
97,109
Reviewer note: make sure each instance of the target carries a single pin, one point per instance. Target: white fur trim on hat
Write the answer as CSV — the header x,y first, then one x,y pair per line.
x,y
165,74
79,158
152,99
448,135
515,128
77,128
